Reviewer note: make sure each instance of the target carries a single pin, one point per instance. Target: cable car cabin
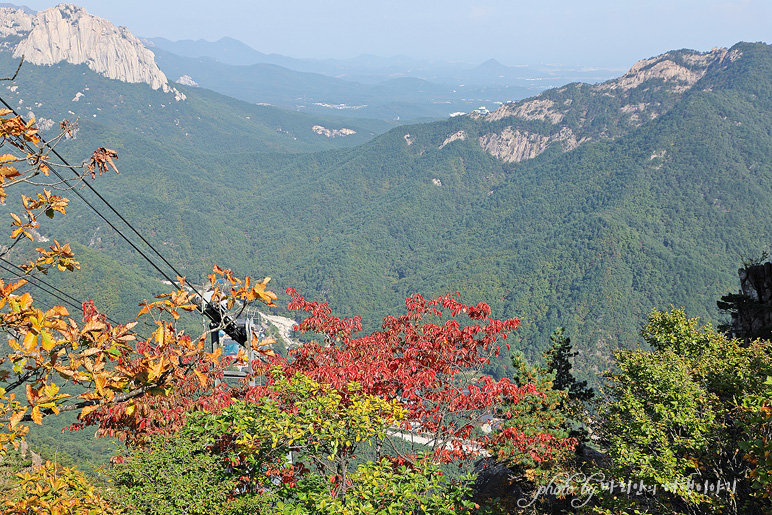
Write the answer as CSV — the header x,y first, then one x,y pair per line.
x,y
240,355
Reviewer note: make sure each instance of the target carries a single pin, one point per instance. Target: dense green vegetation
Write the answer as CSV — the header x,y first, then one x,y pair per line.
x,y
682,427
593,240
590,240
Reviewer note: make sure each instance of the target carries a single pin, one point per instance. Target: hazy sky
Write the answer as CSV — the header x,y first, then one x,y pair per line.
x,y
612,33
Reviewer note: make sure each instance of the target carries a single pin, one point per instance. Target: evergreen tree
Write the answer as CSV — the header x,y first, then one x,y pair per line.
x,y
558,358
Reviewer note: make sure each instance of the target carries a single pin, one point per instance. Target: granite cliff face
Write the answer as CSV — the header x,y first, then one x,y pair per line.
x,y
578,113
69,33
515,146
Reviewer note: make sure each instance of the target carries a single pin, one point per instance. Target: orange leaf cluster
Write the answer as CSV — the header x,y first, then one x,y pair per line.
x,y
128,382
19,134
57,491
59,255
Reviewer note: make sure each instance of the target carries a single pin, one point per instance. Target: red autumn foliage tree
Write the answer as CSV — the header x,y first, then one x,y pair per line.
x,y
305,425
430,359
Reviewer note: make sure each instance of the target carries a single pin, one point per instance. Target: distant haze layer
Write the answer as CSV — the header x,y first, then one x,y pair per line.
x,y
592,33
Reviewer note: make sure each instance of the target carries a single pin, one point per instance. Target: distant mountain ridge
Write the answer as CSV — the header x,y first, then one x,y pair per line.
x,y
369,86
394,99
17,7
226,50
371,69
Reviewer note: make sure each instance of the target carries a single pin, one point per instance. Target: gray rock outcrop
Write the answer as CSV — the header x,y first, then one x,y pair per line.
x,y
753,315
69,33
332,133
14,22
513,146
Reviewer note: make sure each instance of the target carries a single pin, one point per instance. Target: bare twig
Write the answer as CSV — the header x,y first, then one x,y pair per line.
x,y
17,70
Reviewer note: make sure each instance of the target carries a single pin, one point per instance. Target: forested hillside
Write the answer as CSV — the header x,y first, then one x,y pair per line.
x,y
635,213
203,119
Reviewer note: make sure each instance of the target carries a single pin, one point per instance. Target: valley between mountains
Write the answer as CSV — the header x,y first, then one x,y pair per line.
x,y
397,286
583,207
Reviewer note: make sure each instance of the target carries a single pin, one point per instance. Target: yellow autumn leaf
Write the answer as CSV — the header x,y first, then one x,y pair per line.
x,y
30,340
159,334
201,377
99,383
212,356
93,325
155,370
51,389
16,418
85,411
57,311
9,171
32,394
48,341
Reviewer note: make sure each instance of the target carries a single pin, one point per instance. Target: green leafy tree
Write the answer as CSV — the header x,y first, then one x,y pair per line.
x,y
672,419
759,445
173,475
290,451
384,488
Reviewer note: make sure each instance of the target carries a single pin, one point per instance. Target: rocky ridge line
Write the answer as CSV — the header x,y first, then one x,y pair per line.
x,y
670,75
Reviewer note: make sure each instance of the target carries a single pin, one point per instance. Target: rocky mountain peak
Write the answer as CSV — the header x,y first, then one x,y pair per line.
x,y
69,33
677,70
648,90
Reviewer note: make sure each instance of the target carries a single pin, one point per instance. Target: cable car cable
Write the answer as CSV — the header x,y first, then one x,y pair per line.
x,y
35,281
207,308
31,278
90,205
